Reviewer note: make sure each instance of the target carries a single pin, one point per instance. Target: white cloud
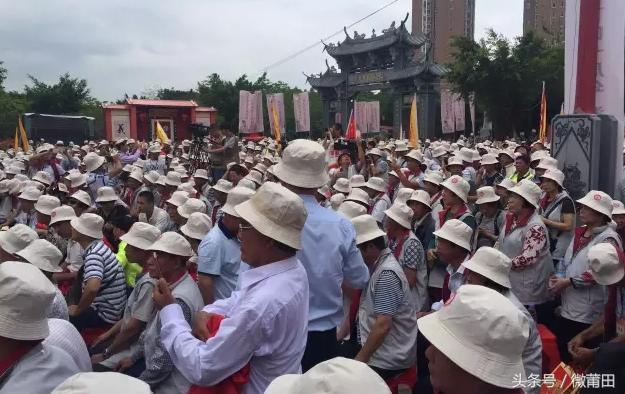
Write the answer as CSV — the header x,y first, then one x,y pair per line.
x,y
121,46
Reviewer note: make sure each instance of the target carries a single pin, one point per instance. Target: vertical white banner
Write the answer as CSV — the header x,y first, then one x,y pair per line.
x,y
251,112
360,114
571,46
301,107
447,112
459,112
373,116
610,87
472,111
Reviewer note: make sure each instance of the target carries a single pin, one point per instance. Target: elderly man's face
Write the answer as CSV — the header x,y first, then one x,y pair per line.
x,y
253,244
444,373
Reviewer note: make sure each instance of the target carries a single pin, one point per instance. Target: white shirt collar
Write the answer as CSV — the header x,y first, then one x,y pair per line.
x,y
258,274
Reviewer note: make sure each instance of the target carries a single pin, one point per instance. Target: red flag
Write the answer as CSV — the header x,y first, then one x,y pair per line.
x,y
351,127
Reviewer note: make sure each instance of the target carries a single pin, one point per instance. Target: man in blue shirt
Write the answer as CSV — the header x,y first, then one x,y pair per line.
x,y
329,253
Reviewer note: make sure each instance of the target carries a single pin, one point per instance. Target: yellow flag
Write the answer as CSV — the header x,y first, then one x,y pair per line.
x,y
542,130
413,136
160,133
16,143
276,122
25,145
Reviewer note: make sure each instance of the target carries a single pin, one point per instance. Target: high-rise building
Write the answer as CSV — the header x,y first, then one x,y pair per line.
x,y
545,18
440,20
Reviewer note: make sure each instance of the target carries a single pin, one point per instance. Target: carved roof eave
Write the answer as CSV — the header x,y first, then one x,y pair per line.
x,y
326,81
351,46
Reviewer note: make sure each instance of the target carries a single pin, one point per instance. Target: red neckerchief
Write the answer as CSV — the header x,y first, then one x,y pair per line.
x,y
436,197
13,358
410,173
579,240
545,201
442,215
55,169
230,385
513,222
400,243
41,226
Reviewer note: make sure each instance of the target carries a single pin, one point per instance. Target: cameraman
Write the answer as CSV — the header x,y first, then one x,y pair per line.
x,y
226,150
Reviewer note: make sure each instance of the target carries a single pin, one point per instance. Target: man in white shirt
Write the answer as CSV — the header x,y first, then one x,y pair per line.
x,y
151,214
266,320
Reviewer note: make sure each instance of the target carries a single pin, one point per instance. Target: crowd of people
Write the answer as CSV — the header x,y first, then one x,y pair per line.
x,y
320,266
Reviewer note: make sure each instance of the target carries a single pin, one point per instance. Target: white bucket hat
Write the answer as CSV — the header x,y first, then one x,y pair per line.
x,y
457,185
101,383
88,224
141,235
173,178
439,151
30,194
508,152
547,163
492,264
342,185
401,214
247,183
106,194
492,349
375,152
367,229
466,155
403,194
197,226
618,208
401,146
555,175
336,376
276,212
456,232
172,243
538,155
190,206
357,181
188,188
359,195
529,191
605,265
77,179
43,177
255,177
62,214
414,155
351,209
486,194
43,255
377,184
137,175
46,204
489,158
236,196
598,201
303,165
93,161
151,176
434,177
154,148
454,161
17,238
178,198
421,196
82,196
200,173
507,183
336,200
25,297
223,186
161,180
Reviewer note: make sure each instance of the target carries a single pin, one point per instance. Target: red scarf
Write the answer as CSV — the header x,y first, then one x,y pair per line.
x,y
579,240
512,221
442,215
400,244
230,385
545,201
55,169
12,359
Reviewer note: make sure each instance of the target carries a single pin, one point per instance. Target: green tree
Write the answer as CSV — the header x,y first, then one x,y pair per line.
x,y
506,78
67,96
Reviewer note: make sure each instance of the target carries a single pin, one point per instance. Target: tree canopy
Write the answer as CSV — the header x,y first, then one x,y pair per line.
x,y
67,96
506,78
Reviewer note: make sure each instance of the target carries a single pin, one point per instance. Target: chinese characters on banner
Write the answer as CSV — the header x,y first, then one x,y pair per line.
x,y
276,101
301,108
251,112
367,116
459,112
447,112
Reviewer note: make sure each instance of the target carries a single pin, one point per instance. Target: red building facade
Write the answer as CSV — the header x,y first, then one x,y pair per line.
x,y
137,118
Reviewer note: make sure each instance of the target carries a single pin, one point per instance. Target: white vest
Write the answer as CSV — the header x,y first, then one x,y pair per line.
x,y
584,304
530,284
561,239
419,292
398,351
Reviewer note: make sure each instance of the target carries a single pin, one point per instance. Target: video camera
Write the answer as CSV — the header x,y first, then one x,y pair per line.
x,y
199,131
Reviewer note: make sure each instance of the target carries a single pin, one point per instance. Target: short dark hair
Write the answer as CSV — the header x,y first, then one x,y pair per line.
x,y
224,126
148,196
379,243
524,158
123,222
338,126
495,286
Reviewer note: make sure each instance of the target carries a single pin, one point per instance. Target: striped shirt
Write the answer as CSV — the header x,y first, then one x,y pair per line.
x,y
388,294
101,263
154,165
